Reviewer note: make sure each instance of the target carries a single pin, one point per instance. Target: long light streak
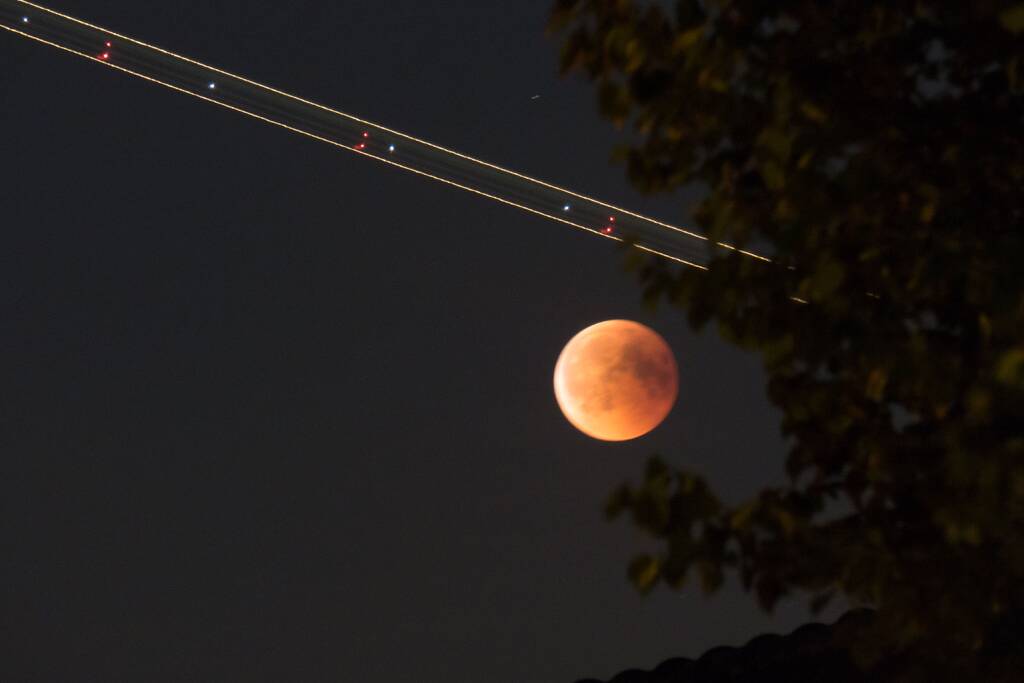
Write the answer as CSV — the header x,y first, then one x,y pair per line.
x,y
433,159
356,151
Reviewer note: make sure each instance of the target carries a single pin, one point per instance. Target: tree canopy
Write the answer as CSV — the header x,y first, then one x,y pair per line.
x,y
875,151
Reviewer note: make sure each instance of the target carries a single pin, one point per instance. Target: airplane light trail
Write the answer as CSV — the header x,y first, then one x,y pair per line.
x,y
356,135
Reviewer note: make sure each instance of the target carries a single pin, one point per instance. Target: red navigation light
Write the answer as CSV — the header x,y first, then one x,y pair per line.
x,y
108,44
105,55
366,135
611,219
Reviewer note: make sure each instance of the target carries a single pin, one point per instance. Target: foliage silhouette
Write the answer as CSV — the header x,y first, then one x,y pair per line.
x,y
874,150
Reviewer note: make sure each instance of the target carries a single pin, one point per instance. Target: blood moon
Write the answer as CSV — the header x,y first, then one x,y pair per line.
x,y
616,380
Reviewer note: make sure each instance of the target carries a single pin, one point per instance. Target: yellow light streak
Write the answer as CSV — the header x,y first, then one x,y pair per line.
x,y
688,233
344,146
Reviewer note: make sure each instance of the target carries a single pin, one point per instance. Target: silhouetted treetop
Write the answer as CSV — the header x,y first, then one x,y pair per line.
x,y
875,151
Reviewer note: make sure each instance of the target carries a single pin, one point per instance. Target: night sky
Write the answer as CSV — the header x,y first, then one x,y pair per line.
x,y
271,411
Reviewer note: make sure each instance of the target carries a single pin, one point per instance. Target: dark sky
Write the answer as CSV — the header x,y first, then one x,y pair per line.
x,y
270,411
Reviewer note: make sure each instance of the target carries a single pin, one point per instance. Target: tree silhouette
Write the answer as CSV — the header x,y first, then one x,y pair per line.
x,y
875,151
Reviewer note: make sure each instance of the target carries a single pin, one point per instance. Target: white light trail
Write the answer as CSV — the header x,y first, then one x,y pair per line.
x,y
262,102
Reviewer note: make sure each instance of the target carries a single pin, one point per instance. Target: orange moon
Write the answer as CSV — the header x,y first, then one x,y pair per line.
x,y
616,380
